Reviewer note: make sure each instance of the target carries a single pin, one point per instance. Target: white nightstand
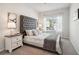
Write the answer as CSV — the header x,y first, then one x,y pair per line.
x,y
13,41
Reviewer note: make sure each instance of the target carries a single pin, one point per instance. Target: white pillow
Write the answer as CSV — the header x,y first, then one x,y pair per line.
x,y
29,33
35,32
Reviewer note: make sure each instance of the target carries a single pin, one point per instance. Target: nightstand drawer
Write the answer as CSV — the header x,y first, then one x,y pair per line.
x,y
19,43
14,39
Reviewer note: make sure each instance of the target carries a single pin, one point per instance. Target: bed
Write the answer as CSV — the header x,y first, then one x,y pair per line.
x,y
47,40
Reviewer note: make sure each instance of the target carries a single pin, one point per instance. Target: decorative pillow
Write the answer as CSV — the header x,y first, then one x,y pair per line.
x,y
29,32
35,32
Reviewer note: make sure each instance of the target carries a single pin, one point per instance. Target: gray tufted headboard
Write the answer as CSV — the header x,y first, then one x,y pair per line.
x,y
27,23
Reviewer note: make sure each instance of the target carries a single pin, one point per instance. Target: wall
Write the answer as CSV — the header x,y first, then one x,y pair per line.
x,y
19,9
65,22
74,28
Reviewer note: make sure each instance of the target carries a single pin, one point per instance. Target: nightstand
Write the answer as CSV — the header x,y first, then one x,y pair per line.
x,y
13,41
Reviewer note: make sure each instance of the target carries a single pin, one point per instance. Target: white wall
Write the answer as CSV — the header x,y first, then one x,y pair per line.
x,y
74,27
19,9
65,21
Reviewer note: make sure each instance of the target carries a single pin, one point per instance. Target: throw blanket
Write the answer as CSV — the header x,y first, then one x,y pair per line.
x,y
50,43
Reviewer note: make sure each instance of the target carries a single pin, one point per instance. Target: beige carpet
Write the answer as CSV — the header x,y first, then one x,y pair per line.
x,y
29,50
68,49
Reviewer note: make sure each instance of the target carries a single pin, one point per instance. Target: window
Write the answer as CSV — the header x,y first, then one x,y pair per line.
x,y
53,23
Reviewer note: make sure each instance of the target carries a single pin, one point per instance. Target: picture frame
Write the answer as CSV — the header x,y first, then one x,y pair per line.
x,y
12,18
76,15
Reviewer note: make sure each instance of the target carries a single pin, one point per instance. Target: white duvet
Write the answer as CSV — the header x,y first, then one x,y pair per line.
x,y
37,40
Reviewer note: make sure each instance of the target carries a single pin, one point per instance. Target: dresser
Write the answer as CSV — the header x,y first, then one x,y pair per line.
x,y
13,41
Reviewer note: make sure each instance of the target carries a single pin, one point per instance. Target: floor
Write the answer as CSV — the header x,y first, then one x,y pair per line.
x,y
29,50
68,49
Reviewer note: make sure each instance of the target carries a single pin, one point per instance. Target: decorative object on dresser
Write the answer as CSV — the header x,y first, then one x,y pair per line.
x,y
13,41
11,26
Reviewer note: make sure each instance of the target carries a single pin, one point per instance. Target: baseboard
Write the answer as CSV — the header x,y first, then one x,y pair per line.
x,y
74,46
65,37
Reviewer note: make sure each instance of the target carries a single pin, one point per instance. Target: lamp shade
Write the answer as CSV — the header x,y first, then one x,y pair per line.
x,y
40,25
11,25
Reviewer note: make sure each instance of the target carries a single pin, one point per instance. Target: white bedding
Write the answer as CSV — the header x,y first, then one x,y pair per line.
x,y
37,40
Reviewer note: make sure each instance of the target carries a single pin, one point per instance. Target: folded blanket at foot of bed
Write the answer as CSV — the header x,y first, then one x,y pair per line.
x,y
50,43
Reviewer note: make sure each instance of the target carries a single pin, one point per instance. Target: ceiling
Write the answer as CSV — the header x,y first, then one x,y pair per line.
x,y
42,7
